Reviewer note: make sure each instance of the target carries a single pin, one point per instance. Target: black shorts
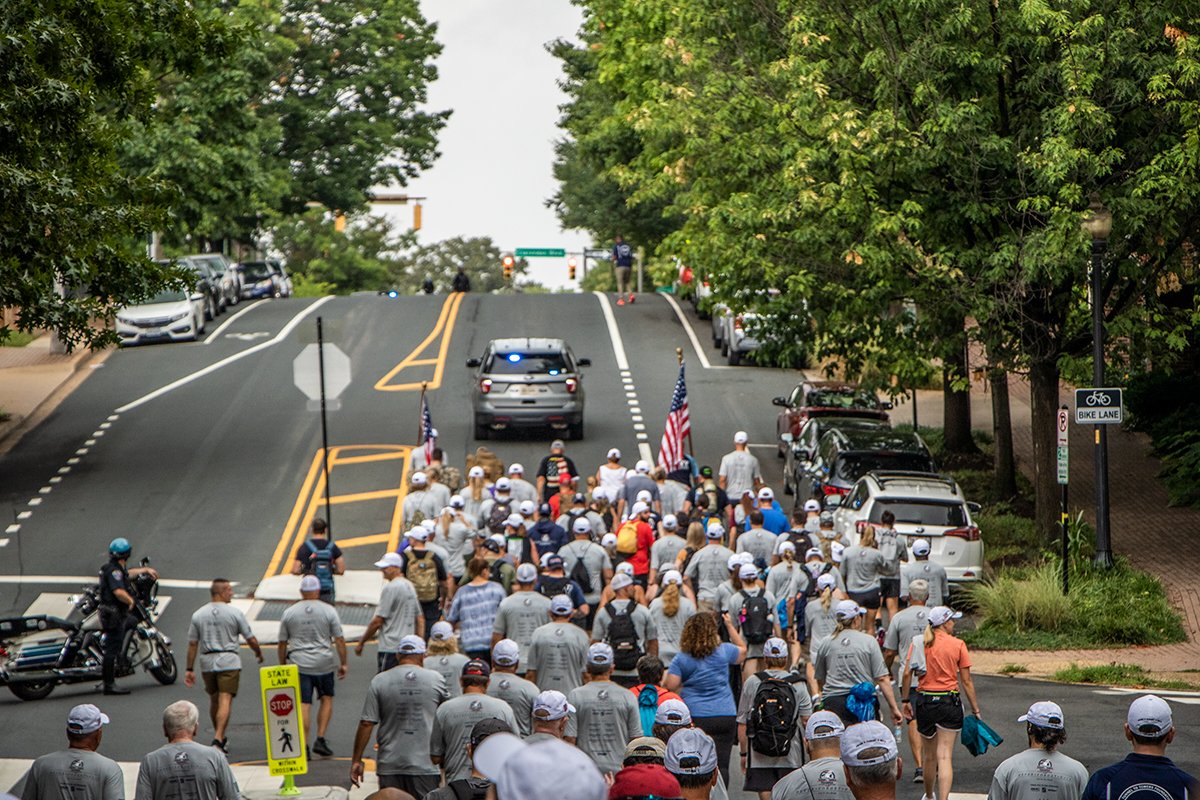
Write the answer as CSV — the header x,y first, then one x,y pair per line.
x,y
416,785
937,711
889,587
763,779
868,599
837,704
323,684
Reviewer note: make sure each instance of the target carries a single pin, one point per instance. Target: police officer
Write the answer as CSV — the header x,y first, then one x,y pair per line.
x,y
116,607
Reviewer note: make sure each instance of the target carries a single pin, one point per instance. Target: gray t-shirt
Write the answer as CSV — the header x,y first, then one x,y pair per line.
x,y
758,542
935,573
804,710
708,568
452,726
399,607
424,501
75,775
1038,773
402,702
215,628
894,548
643,624
450,668
519,694
670,629
736,601
520,614
664,551
786,580
862,567
740,469
636,483
458,545
846,659
309,628
186,771
567,519
606,717
903,628
819,779
558,652
595,561
671,495
819,622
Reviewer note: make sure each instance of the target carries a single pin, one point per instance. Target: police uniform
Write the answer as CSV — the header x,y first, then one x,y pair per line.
x,y
115,616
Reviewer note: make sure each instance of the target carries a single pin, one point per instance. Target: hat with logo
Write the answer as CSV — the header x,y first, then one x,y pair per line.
x,y
748,572
429,525
310,583
626,567
644,496
826,581
411,645
614,453
476,668
491,545
390,560
418,534
690,752
506,653
847,610
714,530
557,444
673,712
824,725
85,718
741,437
671,576
733,562
441,631
639,508
551,705
826,519
547,770
580,499
621,581
457,502
419,479
608,540
765,493
775,648
516,469
526,573
642,466
920,547
581,525
515,521
1044,714
485,728
600,654
812,505
646,747
527,507
561,605
867,744
670,522
503,485
476,472
940,615
553,561
813,552
1149,716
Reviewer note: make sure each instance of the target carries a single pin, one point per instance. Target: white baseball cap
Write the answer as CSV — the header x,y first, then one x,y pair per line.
x,y
740,437
390,560
419,479
526,573
639,508
920,547
765,493
582,525
516,469
733,562
690,752
867,744
748,572
551,705
614,453
775,648
86,718
475,472
670,522
441,631
644,496
826,581
673,712
626,567
506,653
621,581
671,576
837,550
608,540
847,610
600,654
940,615
418,534
503,484
545,770
429,525
411,645
714,531
310,583
813,552
561,605
499,539
515,521
457,502
784,545
527,508
824,725
1044,714
642,466
1149,716
812,505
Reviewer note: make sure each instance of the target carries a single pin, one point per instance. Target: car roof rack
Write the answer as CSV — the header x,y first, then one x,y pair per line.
x,y
883,477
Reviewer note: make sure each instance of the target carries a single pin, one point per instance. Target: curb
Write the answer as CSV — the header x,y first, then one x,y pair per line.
x,y
10,438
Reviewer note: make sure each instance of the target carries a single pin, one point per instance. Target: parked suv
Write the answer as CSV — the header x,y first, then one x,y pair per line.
x,y
927,506
802,449
525,383
846,454
223,273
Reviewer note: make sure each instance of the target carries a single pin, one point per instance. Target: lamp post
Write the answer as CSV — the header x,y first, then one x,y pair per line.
x,y
1098,225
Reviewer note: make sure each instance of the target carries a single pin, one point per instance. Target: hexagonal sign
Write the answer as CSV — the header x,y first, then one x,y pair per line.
x,y
306,371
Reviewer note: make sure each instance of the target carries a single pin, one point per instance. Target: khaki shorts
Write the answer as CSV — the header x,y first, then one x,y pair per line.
x,y
225,681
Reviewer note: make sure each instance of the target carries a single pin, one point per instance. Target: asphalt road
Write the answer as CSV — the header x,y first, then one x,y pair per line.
x,y
211,477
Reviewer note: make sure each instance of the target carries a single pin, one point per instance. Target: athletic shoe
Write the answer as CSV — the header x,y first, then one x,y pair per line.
x,y
321,748
631,297
220,745
620,301
918,775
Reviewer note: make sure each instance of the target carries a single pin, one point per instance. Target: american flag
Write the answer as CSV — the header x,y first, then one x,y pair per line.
x,y
428,439
679,426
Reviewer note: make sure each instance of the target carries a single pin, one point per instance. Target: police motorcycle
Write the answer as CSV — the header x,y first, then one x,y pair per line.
x,y
40,651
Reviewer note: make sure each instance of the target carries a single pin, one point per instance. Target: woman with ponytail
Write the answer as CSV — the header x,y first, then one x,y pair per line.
x,y
474,493
670,610
849,667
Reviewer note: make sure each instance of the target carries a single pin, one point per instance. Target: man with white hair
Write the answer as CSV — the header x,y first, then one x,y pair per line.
x,y
522,490
184,769
824,776
907,625
550,713
628,627
872,761
79,772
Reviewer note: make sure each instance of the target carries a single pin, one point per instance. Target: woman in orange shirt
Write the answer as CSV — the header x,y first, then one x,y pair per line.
x,y
942,661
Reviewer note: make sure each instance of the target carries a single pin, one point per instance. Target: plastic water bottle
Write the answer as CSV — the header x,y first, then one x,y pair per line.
x,y
897,731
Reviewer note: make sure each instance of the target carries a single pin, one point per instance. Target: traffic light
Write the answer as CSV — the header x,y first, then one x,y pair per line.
x,y
339,222
571,268
508,268
416,216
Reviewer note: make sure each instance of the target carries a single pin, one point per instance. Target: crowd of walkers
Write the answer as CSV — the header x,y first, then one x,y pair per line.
x,y
620,635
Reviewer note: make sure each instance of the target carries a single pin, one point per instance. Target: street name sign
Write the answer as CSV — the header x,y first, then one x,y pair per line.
x,y
306,371
1062,457
540,252
1098,406
281,719
598,254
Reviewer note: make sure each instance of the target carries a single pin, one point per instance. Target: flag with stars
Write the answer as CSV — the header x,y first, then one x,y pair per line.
x,y
428,434
670,452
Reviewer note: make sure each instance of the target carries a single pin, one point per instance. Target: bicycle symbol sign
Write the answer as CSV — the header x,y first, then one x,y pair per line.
x,y
1098,406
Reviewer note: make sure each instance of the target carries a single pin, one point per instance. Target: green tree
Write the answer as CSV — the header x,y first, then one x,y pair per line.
x,y
479,257
359,259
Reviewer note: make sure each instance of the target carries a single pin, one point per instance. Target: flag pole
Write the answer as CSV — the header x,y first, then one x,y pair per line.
x,y
679,361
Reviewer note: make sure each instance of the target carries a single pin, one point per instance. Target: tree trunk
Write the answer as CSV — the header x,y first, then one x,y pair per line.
x,y
1043,384
1005,463
956,404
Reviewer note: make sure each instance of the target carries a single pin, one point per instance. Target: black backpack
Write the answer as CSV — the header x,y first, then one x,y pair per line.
x,y
549,587
622,636
755,617
579,572
496,571
463,790
499,515
772,724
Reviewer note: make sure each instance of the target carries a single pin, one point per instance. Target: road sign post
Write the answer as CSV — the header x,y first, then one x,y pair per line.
x,y
284,726
1100,407
322,373
1062,431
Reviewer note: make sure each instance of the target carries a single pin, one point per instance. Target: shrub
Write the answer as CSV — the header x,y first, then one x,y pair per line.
x,y
1008,538
1117,675
303,286
1022,600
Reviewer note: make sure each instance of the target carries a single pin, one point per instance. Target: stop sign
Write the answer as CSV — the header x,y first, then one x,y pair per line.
x,y
306,371
281,705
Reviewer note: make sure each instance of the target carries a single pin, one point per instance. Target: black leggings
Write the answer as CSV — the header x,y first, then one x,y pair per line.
x,y
723,731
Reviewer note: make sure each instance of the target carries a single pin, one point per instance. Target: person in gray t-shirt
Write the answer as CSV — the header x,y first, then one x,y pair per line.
x,y
310,636
1041,771
905,626
456,717
847,658
709,567
606,714
402,701
213,633
184,769
752,587
824,776
643,626
595,559
664,552
762,771
521,613
79,772
739,471
398,614
557,653
922,567
505,684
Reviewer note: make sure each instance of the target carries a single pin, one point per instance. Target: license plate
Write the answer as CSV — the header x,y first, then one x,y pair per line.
x,y
525,391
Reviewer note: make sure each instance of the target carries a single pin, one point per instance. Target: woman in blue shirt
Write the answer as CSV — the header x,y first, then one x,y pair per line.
x,y
700,674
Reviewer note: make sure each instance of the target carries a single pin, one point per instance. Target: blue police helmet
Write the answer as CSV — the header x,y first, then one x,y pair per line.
x,y
120,547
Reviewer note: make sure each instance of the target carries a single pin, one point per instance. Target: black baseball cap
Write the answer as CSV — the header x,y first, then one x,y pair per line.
x,y
706,471
488,544
486,727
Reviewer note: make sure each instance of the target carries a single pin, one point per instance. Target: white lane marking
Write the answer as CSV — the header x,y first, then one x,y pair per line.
x,y
221,328
89,443
1188,698
637,426
12,528
65,470
637,418
200,373
248,337
643,438
35,501
618,345
25,515
81,452
56,479
691,334
3,542
98,434
113,417
48,489
73,461
635,409
105,426
170,583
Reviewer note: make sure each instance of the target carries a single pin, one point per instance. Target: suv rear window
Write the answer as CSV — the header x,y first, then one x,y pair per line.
x,y
920,512
528,364
852,466
841,399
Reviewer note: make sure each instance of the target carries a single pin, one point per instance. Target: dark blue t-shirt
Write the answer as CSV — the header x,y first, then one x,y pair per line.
x,y
1140,777
547,536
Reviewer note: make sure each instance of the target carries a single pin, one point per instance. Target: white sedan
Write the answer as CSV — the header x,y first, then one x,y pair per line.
x,y
170,316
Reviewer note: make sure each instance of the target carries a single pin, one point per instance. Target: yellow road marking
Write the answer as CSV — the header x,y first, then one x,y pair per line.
x,y
360,496
443,328
358,541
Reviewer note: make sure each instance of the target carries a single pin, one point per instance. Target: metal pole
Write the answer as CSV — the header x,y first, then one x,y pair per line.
x,y
1103,556
916,429
324,428
1065,516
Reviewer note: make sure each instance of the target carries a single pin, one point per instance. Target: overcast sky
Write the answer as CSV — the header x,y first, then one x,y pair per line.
x,y
494,173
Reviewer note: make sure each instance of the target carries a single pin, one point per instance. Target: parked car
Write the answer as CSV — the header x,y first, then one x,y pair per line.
x,y
203,284
264,279
702,296
228,278
845,454
736,340
528,382
824,398
802,449
171,315
926,505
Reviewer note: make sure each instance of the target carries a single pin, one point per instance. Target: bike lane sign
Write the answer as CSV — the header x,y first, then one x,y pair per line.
x,y
281,720
1098,407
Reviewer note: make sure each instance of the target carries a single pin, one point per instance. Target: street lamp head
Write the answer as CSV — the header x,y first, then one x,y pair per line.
x,y
1098,222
